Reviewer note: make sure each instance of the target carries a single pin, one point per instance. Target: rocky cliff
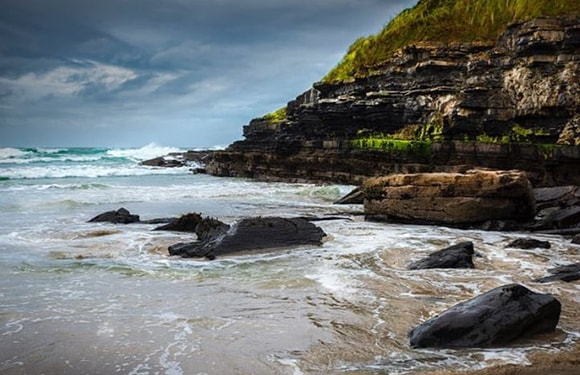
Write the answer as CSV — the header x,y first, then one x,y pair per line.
x,y
514,104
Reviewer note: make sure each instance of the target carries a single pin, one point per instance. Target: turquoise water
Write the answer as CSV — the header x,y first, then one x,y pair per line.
x,y
78,297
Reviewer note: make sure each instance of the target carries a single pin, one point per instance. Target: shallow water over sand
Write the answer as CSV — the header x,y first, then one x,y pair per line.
x,y
81,297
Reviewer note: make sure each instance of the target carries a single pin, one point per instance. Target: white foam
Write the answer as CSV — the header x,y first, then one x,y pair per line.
x,y
91,171
150,151
11,153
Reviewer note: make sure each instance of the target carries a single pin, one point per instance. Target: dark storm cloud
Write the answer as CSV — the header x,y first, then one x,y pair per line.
x,y
181,72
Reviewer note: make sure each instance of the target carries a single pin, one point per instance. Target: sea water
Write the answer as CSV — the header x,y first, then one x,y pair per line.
x,y
88,298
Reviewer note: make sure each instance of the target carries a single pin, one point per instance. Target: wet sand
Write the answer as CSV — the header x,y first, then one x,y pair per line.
x,y
563,363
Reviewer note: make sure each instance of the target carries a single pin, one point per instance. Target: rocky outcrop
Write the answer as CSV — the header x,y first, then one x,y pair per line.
x,y
251,234
456,256
194,159
498,317
450,198
163,161
511,105
121,216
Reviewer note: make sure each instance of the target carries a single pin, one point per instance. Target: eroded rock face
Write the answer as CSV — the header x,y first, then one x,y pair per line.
x,y
496,317
451,198
525,88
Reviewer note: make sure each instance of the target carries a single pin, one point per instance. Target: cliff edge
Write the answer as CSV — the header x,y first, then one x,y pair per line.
x,y
512,104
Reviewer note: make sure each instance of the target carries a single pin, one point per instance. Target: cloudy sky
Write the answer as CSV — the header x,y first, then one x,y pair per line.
x,y
189,73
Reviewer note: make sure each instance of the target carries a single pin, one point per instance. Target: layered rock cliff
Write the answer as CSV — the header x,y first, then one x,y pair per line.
x,y
514,104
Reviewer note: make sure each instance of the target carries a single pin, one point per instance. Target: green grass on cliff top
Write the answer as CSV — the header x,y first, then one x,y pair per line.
x,y
443,21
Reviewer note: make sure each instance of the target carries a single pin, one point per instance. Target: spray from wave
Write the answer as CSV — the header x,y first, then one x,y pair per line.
x,y
34,163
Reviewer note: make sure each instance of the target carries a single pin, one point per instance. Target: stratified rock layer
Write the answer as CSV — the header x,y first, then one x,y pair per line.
x,y
451,198
501,106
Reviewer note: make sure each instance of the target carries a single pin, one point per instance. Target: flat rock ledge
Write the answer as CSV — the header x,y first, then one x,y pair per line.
x,y
251,234
497,317
475,196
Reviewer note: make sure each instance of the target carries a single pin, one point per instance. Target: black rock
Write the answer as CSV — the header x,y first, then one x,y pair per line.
x,y
250,235
456,256
576,239
209,228
185,223
570,272
121,216
529,243
496,317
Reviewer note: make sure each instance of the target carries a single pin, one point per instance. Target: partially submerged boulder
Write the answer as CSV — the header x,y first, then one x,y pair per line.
x,y
162,161
529,243
456,256
121,216
570,272
249,235
475,196
497,317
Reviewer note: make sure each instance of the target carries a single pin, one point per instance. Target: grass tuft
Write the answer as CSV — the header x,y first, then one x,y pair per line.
x,y
445,21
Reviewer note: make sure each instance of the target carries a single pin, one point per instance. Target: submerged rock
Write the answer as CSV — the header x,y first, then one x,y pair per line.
x,y
570,272
456,256
529,243
121,216
249,235
497,317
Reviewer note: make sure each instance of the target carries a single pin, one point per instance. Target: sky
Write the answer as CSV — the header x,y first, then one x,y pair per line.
x,y
183,73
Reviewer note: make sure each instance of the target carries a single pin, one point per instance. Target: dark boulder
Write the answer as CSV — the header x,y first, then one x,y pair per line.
x,y
576,239
529,243
570,272
497,317
249,235
121,216
456,256
185,223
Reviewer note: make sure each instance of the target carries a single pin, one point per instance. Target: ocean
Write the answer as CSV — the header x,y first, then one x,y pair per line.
x,y
99,298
